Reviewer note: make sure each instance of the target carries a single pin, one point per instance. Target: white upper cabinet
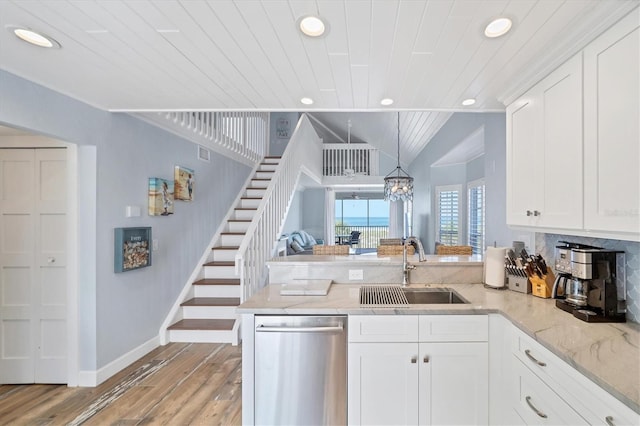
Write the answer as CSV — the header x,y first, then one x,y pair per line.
x,y
544,152
612,135
573,142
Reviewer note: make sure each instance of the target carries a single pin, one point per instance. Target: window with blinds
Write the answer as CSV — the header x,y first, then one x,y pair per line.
x,y
476,206
448,214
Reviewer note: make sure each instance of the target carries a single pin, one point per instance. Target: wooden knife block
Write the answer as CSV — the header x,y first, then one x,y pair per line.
x,y
541,287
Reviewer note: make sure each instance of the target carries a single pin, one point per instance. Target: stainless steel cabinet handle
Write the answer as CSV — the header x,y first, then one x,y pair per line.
x,y
535,410
536,213
609,420
529,213
414,359
285,329
425,359
527,352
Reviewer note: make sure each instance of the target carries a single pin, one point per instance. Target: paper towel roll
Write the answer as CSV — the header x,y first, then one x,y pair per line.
x,y
494,266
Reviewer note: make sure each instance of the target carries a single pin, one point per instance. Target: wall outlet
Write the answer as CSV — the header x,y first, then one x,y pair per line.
x,y
356,274
155,245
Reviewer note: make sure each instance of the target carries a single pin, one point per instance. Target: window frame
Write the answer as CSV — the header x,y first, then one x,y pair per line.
x,y
471,186
448,188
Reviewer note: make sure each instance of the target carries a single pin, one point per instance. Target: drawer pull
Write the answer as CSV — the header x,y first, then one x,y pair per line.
x,y
527,352
414,359
425,359
609,420
535,410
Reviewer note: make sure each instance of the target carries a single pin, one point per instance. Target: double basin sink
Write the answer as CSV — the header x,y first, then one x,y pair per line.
x,y
393,295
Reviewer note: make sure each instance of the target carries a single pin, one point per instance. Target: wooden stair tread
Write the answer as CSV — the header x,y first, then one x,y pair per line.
x,y
245,208
218,281
239,220
271,157
261,179
221,263
232,233
225,248
203,324
251,198
212,301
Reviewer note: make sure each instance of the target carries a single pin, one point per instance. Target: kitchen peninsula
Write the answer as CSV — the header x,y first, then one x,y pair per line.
x,y
594,368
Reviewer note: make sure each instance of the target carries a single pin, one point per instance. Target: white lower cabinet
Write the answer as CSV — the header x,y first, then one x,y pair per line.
x,y
418,382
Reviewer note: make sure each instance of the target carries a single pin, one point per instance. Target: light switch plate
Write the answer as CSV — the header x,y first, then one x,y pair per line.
x,y
356,274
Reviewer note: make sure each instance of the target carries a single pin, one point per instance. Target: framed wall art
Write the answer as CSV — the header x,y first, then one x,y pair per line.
x,y
184,179
160,197
132,248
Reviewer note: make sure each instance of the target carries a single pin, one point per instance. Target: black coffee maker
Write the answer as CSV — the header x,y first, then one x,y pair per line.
x,y
590,282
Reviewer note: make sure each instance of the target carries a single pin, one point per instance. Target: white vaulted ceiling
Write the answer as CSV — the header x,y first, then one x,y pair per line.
x,y
150,55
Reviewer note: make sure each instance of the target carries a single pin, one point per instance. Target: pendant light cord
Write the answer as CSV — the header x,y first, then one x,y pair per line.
x,y
398,127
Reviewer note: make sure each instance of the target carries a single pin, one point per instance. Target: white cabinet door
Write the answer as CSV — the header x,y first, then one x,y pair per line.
x,y
544,152
454,383
558,177
383,384
612,135
523,118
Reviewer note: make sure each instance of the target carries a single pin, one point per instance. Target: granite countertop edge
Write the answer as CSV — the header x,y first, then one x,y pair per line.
x,y
536,317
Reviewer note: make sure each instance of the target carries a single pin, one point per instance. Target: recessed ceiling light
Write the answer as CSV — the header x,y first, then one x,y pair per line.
x,y
33,37
468,102
307,101
386,101
498,27
312,26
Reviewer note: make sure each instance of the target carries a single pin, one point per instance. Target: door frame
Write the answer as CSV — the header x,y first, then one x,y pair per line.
x,y
33,141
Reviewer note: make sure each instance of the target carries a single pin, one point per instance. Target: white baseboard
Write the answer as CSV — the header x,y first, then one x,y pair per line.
x,y
92,378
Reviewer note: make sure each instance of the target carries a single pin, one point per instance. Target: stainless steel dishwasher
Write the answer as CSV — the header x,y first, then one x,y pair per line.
x,y
300,370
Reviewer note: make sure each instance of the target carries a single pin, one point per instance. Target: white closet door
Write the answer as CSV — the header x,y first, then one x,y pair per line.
x,y
32,266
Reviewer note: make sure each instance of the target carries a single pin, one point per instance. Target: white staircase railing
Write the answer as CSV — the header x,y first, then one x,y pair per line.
x,y
303,153
360,158
242,136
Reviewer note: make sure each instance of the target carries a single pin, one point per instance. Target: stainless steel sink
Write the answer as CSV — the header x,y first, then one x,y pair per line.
x,y
394,295
419,296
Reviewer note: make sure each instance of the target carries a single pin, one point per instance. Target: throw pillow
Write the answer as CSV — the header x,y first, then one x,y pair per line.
x,y
296,247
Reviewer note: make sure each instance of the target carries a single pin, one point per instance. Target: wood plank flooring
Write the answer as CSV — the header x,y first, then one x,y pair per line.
x,y
176,384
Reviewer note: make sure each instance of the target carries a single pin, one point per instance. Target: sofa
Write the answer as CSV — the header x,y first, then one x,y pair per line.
x,y
301,242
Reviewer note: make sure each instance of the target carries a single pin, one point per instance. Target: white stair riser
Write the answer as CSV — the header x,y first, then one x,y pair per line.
x,y
259,183
238,226
224,255
263,175
208,312
216,290
231,240
271,160
267,168
220,272
244,214
254,193
202,336
250,204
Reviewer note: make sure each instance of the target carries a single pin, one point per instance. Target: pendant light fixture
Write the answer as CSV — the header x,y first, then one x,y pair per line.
x,y
398,185
348,171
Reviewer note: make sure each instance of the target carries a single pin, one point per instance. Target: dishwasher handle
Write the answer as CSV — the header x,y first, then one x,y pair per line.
x,y
292,329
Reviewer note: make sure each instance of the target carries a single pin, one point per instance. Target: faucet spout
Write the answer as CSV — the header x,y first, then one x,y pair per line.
x,y
406,266
415,241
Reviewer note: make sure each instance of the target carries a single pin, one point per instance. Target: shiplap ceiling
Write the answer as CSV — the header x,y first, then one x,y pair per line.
x,y
150,55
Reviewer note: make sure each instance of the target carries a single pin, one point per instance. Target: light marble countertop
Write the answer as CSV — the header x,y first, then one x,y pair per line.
x,y
609,354
373,259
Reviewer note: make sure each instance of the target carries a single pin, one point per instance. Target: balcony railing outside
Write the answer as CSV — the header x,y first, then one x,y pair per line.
x,y
369,235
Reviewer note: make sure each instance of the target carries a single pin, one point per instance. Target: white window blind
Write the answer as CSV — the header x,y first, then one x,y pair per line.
x,y
448,214
476,215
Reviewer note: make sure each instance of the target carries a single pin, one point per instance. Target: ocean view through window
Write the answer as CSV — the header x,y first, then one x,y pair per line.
x,y
368,216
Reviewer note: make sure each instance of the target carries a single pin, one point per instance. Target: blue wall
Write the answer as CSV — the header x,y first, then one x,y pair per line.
x,y
454,131
119,312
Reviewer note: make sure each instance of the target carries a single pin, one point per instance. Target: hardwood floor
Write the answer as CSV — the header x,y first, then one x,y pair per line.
x,y
176,384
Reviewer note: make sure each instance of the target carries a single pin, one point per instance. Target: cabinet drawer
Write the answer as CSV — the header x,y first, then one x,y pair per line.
x,y
537,404
454,328
383,328
595,404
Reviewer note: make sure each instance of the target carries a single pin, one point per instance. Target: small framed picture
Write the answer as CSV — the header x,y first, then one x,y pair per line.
x,y
184,179
160,197
132,248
